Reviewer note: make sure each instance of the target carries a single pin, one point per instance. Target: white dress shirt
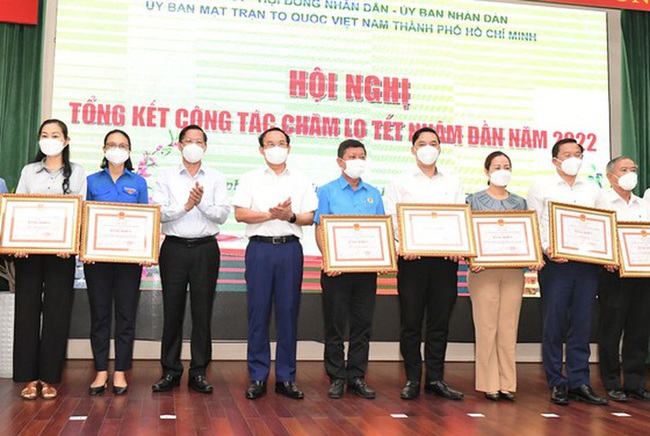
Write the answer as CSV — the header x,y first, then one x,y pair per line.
x,y
416,187
261,189
36,178
636,209
554,188
172,192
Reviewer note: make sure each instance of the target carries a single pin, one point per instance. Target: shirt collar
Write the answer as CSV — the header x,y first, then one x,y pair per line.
x,y
344,183
125,172
267,170
560,181
612,197
42,167
183,170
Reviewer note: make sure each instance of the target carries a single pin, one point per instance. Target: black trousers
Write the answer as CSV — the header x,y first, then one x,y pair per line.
x,y
624,311
426,285
348,299
197,266
113,284
44,296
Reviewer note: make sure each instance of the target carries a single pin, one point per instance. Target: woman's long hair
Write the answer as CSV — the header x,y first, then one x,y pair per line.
x,y
67,168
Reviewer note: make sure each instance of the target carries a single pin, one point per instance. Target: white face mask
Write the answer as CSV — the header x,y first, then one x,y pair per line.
x,y
500,177
571,166
193,152
628,181
354,168
427,154
116,155
276,155
51,146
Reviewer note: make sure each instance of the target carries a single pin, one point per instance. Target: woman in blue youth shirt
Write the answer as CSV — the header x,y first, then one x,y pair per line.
x,y
114,283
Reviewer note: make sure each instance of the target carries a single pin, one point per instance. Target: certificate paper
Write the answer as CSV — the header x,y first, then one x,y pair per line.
x,y
120,232
583,234
634,248
506,239
435,229
39,224
358,243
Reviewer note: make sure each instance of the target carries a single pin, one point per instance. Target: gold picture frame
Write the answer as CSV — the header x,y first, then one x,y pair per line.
x,y
358,243
583,234
633,248
437,230
39,224
120,232
506,239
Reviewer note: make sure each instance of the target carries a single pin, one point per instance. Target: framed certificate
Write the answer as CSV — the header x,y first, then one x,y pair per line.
x,y
120,232
435,230
506,239
582,233
39,224
358,243
633,248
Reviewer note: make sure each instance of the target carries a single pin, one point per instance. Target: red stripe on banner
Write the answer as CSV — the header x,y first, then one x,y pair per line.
x,y
19,11
639,5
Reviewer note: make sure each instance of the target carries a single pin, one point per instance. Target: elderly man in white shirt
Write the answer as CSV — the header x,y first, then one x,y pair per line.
x,y
425,284
274,202
568,288
624,302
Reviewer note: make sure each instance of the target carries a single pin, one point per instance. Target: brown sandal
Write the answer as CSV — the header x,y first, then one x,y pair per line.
x,y
30,391
48,392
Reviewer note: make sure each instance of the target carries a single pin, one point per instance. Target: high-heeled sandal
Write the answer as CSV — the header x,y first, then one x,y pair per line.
x,y
30,391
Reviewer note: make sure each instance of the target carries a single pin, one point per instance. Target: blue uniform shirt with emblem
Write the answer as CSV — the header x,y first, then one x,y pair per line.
x,y
338,198
129,188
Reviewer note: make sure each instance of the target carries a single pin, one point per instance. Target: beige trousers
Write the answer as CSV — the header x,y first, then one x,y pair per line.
x,y
496,296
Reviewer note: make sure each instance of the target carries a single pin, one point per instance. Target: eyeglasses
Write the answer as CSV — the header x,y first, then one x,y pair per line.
x,y
193,141
121,146
281,144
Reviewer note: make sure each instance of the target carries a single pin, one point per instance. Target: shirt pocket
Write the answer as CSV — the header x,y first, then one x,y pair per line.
x,y
100,192
130,192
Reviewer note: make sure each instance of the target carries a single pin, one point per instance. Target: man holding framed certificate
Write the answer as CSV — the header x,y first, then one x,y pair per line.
x,y
568,288
624,302
425,283
348,296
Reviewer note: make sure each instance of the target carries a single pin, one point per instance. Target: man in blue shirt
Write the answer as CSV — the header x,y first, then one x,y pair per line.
x,y
348,296
3,187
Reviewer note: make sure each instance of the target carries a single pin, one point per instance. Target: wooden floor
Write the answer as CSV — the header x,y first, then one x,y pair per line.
x,y
227,411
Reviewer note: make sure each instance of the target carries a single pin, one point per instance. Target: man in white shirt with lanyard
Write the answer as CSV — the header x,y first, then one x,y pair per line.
x,y
275,202
624,302
193,200
568,288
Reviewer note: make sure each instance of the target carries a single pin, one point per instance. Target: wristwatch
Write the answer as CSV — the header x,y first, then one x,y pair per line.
x,y
293,218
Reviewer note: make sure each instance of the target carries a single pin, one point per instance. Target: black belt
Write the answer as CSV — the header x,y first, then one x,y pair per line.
x,y
191,242
275,239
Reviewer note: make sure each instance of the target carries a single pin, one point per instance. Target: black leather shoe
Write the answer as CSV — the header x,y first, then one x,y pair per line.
x,y
166,383
508,396
361,388
200,384
559,395
641,394
443,390
586,394
617,395
492,397
289,389
256,390
93,391
336,389
411,391
120,390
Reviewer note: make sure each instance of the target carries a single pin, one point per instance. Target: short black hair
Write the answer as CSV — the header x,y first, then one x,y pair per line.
x,y
128,164
422,130
273,129
191,127
561,142
349,143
